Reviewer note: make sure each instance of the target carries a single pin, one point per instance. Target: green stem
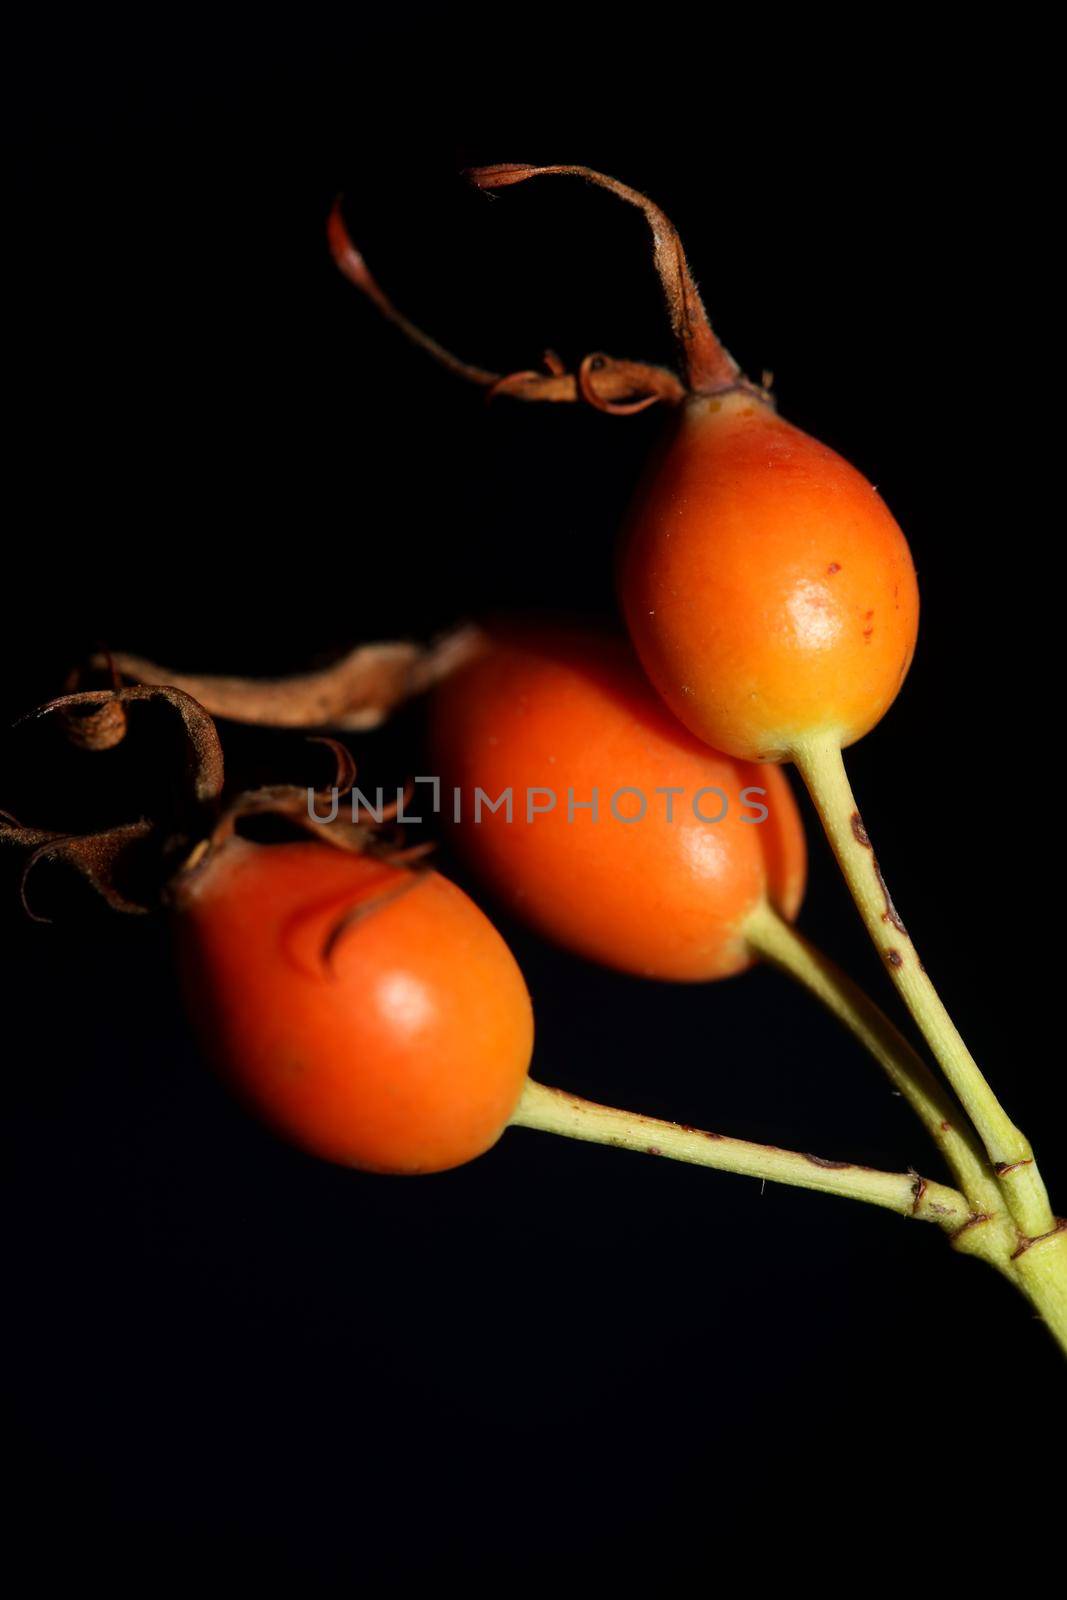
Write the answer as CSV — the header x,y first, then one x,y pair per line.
x,y
553,1111
778,942
823,770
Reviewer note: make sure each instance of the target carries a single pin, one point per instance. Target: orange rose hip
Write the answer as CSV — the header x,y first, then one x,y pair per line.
x,y
373,1017
649,882
768,590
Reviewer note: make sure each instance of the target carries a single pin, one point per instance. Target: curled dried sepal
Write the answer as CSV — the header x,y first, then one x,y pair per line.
x,y
107,860
104,713
356,693
12,831
304,808
708,365
104,860
99,726
622,388
345,771
301,807
350,261
619,387
316,811
128,863
95,725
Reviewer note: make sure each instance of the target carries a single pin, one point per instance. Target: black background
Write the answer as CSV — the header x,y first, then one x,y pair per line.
x,y
224,1358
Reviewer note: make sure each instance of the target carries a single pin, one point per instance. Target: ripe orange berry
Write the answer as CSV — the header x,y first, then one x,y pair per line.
x,y
663,895
772,600
402,1046
770,594
768,591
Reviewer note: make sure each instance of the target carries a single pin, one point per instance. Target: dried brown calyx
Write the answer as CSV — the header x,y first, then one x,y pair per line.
x,y
304,809
300,809
604,382
124,784
355,694
164,780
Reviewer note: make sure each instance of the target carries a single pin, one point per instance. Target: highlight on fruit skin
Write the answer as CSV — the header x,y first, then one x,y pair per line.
x,y
665,894
372,1015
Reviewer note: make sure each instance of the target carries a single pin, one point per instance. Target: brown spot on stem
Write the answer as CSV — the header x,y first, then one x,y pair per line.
x,y
890,914
1002,1168
821,1161
654,1150
894,958
919,1189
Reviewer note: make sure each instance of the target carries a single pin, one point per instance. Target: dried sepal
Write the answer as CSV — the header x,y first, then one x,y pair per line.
x,y
303,808
622,388
296,806
104,713
96,726
345,772
128,862
12,831
104,860
709,366
619,388
351,263
356,693
300,806
137,866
